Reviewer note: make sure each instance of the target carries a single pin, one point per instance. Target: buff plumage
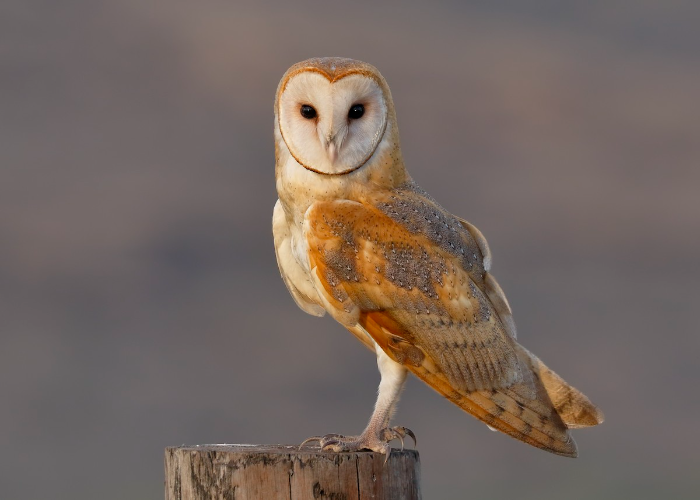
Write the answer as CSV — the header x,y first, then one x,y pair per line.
x,y
355,237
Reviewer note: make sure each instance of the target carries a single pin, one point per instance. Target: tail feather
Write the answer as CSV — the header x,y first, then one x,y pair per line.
x,y
574,408
512,417
508,411
538,411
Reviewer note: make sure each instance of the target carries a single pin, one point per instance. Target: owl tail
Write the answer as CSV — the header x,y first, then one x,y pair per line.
x,y
573,407
538,411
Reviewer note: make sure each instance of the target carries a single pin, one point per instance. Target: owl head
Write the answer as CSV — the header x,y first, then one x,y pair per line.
x,y
335,116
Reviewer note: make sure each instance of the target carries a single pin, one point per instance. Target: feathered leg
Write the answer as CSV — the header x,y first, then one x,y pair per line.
x,y
377,434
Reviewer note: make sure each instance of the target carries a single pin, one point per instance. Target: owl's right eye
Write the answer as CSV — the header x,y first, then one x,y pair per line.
x,y
307,111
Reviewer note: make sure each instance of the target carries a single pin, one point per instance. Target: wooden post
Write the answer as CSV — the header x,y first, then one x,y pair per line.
x,y
247,472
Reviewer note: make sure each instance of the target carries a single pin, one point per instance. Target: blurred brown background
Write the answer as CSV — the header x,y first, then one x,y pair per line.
x,y
140,301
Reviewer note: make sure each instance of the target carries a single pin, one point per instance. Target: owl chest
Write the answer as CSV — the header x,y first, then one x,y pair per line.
x,y
294,264
300,249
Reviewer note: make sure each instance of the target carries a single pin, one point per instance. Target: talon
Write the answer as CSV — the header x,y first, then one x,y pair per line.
x,y
312,438
370,439
386,449
413,436
329,443
391,433
321,439
405,431
400,437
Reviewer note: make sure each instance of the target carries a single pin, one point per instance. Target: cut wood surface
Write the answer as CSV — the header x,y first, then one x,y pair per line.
x,y
247,472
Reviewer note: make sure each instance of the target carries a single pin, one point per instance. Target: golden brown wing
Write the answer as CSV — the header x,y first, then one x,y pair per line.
x,y
491,287
430,300
416,300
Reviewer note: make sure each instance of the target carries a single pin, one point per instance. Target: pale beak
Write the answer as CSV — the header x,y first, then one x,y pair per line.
x,y
333,141
332,151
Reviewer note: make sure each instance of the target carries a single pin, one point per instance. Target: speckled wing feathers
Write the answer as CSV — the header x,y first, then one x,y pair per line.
x,y
413,275
377,253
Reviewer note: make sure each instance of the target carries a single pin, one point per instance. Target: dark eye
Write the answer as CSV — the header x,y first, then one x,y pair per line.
x,y
356,111
307,111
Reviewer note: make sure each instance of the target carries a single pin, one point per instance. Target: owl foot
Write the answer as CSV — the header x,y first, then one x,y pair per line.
x,y
368,440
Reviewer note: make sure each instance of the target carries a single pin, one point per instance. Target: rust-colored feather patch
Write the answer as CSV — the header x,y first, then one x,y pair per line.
x,y
421,297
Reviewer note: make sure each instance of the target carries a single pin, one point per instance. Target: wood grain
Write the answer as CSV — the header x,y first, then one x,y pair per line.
x,y
247,472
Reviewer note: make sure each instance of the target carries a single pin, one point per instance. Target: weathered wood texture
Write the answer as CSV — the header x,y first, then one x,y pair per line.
x,y
247,472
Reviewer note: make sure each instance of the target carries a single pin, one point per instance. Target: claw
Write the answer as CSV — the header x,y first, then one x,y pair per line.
x,y
405,431
329,445
321,439
400,437
413,436
312,438
391,433
386,449
368,440
400,432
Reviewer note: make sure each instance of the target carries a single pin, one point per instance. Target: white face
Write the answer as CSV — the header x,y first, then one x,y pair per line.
x,y
332,128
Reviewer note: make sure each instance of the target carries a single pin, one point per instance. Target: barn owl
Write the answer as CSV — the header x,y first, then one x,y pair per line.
x,y
356,238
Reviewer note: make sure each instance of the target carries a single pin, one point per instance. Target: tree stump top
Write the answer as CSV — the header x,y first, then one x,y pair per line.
x,y
282,449
240,471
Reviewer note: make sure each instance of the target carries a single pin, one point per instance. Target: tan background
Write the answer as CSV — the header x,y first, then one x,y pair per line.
x,y
140,302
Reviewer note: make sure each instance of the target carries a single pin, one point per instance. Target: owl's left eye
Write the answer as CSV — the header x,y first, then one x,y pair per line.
x,y
307,111
356,111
